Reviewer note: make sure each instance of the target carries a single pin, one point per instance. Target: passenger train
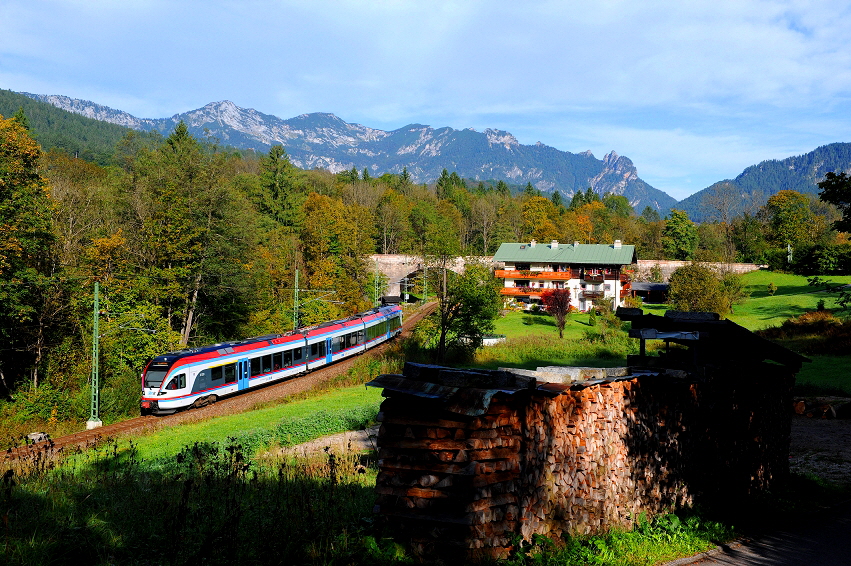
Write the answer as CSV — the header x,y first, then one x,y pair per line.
x,y
199,376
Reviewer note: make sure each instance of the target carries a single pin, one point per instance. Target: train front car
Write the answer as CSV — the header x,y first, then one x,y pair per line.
x,y
156,379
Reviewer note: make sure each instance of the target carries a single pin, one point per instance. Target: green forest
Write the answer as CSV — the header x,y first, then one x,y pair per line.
x,y
194,243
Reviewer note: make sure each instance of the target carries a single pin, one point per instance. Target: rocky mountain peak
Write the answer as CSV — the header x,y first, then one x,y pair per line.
x,y
323,140
500,137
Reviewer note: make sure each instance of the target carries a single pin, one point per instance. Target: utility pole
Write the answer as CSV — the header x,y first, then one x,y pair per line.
x,y
295,302
425,283
94,418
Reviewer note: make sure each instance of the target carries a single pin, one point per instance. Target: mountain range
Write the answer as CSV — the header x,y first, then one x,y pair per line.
x,y
321,140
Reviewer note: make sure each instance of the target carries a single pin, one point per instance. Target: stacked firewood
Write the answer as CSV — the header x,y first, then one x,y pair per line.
x,y
452,478
464,469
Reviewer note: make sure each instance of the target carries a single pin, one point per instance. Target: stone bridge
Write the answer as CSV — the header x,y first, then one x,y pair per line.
x,y
398,266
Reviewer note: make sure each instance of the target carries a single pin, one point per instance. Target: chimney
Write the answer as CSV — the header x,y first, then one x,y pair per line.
x,y
617,244
554,244
532,244
575,244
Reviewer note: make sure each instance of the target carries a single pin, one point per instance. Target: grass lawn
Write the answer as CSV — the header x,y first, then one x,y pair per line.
x,y
825,375
793,298
532,341
522,325
310,418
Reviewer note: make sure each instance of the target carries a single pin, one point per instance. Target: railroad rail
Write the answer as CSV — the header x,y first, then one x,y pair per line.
x,y
230,405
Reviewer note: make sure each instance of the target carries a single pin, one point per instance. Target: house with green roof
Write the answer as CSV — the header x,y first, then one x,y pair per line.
x,y
590,271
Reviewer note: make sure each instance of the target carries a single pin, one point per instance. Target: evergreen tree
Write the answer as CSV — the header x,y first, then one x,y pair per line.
x,y
650,214
21,118
556,198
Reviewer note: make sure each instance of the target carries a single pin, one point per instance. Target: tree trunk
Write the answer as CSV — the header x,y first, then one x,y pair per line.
x,y
189,317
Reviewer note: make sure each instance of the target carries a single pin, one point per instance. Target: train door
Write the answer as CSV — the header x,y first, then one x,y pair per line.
x,y
329,355
242,374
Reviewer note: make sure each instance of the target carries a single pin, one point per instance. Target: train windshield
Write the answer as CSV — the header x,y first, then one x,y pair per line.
x,y
155,374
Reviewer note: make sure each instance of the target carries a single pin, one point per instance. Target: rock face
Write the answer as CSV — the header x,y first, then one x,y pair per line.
x,y
322,140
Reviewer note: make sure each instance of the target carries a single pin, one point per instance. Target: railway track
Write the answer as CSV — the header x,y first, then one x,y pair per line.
x,y
230,405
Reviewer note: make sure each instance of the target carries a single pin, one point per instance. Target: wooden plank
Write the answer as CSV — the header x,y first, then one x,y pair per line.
x,y
411,492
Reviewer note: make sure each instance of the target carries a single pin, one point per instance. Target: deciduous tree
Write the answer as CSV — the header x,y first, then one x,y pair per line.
x,y
836,189
557,302
467,309
679,236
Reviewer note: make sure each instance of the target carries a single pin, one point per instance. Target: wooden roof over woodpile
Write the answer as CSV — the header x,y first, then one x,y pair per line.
x,y
713,340
470,391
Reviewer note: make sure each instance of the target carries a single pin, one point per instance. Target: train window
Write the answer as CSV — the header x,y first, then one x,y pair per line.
x,y
230,373
317,350
277,362
216,373
288,358
177,382
155,374
297,354
255,367
202,381
361,336
267,363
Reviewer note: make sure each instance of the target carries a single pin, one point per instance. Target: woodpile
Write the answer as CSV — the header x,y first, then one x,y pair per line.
x,y
462,469
823,407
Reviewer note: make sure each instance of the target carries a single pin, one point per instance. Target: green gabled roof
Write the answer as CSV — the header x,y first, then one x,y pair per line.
x,y
604,254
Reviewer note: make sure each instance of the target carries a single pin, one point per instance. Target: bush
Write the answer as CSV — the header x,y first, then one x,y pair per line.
x,y
696,288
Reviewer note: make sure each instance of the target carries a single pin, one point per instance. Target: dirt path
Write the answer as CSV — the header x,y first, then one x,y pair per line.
x,y
822,447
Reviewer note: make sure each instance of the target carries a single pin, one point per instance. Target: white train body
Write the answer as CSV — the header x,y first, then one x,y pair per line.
x,y
199,376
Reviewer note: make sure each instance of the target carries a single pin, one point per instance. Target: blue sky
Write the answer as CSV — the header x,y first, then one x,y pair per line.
x,y
692,92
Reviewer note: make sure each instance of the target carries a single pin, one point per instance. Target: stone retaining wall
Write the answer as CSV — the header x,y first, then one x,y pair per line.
x,y
669,266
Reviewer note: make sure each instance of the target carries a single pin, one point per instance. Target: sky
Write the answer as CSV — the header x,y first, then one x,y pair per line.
x,y
692,91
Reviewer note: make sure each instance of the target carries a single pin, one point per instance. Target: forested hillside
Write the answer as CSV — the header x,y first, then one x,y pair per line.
x,y
752,188
54,128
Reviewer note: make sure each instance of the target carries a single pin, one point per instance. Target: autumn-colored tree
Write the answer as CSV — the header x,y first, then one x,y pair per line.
x,y
26,237
334,240
538,215
557,302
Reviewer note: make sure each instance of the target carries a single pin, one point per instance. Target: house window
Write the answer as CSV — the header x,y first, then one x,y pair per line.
x,y
521,266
